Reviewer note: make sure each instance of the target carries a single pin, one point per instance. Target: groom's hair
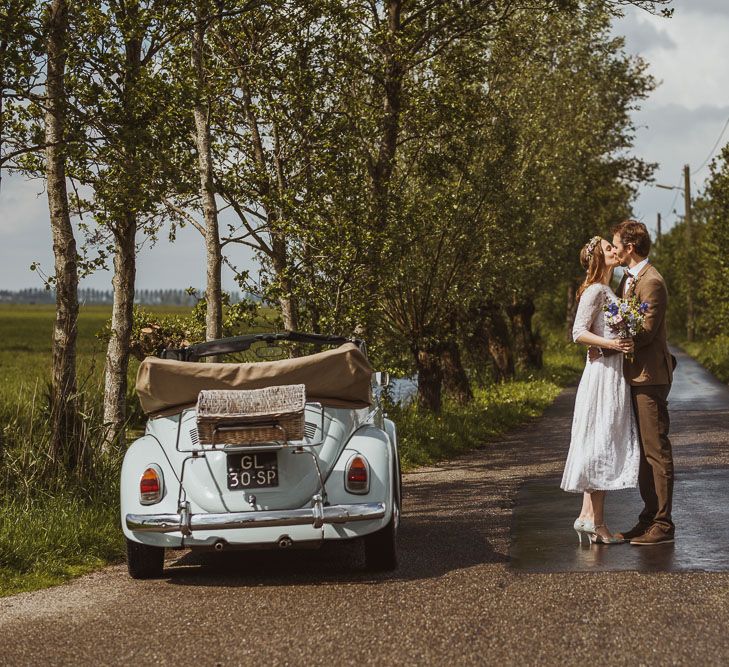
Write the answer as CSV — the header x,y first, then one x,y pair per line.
x,y
631,231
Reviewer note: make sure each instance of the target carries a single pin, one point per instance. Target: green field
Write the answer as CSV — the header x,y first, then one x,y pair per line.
x,y
54,525
25,355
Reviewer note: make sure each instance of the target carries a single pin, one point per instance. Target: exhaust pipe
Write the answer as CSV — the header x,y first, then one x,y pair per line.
x,y
219,545
285,542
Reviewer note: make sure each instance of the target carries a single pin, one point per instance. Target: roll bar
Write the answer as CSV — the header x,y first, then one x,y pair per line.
x,y
242,343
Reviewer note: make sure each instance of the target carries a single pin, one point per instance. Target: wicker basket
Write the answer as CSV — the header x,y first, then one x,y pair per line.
x,y
243,417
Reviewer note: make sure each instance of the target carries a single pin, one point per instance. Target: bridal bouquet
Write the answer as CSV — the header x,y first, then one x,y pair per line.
x,y
625,317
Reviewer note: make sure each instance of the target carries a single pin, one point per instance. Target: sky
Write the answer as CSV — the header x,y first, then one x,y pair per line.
x,y
678,124
683,118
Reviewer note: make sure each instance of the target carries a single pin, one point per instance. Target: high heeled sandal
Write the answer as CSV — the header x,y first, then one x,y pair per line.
x,y
596,538
583,527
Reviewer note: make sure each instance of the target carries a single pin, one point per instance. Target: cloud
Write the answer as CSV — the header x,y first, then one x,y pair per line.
x,y
674,135
642,36
702,7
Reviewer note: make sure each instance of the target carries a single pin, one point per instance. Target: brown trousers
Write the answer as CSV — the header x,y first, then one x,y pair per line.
x,y
655,476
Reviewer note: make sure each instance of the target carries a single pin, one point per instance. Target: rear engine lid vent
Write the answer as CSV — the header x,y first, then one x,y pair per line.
x,y
310,430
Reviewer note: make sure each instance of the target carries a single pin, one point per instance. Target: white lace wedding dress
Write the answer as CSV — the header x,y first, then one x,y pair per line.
x,y
604,448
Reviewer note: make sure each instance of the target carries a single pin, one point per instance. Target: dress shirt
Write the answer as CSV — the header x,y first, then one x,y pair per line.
x,y
632,274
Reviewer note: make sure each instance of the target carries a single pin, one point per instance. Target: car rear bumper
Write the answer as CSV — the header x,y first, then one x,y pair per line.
x,y
315,516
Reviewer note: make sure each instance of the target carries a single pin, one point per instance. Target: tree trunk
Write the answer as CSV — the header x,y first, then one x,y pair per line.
x,y
287,300
381,170
571,309
528,346
125,258
499,343
64,415
381,167
117,353
430,378
214,260
455,380
278,250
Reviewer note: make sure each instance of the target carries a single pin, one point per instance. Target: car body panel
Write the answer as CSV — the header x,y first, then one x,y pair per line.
x,y
170,443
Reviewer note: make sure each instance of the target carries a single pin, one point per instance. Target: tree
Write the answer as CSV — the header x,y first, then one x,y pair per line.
x,y
35,123
125,106
64,416
201,112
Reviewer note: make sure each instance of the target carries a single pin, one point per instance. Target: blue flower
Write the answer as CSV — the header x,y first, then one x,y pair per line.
x,y
644,307
613,308
625,307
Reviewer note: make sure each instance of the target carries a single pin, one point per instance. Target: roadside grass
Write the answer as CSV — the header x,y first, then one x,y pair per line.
x,y
425,438
712,354
49,539
55,526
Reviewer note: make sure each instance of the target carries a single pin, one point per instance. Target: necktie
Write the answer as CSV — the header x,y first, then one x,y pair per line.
x,y
628,284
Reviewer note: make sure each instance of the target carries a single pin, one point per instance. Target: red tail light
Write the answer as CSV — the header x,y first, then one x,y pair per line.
x,y
151,486
357,475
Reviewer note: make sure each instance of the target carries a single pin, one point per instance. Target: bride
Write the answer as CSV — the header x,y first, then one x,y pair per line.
x,y
604,448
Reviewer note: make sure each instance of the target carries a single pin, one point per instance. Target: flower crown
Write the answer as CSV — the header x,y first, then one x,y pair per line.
x,y
592,244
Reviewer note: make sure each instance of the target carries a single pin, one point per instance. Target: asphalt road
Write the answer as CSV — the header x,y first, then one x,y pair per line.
x,y
455,599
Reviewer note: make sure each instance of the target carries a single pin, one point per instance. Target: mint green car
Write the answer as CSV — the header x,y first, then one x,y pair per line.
x,y
250,479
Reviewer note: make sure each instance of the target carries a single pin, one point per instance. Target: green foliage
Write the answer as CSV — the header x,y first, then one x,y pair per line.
x,y
153,331
425,438
702,264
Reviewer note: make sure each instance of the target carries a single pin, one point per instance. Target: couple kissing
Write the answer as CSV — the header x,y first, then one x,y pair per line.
x,y
620,427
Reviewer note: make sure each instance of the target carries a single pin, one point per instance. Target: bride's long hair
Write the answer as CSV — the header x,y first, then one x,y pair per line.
x,y
592,259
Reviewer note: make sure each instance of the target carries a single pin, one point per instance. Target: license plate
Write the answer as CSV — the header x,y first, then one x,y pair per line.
x,y
252,471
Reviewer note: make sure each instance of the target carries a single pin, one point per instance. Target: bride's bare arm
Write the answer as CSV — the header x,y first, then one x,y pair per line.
x,y
593,340
589,308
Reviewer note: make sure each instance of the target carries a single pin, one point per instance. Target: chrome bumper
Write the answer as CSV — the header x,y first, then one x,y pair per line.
x,y
315,516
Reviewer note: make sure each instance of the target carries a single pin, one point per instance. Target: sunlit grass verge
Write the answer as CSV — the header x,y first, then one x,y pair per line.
x,y
425,438
712,354
55,523
49,539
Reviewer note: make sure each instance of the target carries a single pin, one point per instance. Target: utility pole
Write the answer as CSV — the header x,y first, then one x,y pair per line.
x,y
658,228
689,254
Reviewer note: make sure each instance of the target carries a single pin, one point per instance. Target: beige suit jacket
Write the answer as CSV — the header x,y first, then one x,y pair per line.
x,y
652,363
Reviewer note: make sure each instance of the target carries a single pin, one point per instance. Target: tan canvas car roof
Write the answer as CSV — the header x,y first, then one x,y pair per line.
x,y
340,377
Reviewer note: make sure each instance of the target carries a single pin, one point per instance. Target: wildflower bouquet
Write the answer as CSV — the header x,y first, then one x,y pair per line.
x,y
626,317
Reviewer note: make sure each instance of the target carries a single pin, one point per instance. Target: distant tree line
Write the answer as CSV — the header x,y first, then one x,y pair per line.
x,y
694,260
90,296
417,173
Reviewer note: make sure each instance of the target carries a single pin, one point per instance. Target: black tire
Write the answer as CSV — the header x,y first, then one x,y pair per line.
x,y
143,561
381,547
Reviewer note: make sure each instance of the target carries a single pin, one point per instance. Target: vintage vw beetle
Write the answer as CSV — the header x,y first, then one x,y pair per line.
x,y
267,454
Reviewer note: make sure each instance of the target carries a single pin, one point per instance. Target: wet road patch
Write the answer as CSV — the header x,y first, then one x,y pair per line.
x,y
543,540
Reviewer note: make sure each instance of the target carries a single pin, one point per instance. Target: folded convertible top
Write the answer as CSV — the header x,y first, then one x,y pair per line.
x,y
340,377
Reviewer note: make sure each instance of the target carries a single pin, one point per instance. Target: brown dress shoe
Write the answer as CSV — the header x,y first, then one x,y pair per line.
x,y
654,535
636,531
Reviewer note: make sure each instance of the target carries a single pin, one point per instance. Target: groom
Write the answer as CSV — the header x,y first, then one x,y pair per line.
x,y
650,374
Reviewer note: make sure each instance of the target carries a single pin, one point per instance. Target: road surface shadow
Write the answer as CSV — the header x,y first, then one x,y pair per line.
x,y
445,527
542,538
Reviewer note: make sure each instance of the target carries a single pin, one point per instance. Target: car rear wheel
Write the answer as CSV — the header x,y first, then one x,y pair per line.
x,y
381,547
144,561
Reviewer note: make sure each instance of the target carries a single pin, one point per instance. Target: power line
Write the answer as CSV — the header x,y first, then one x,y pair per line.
x,y
675,197
711,152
